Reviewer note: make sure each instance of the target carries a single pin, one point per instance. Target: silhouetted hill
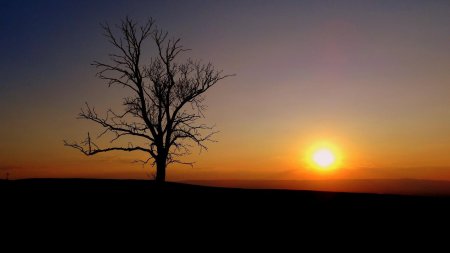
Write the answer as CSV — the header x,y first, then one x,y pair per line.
x,y
379,186
144,193
119,206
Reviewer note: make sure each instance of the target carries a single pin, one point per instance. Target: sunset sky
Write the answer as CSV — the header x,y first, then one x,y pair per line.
x,y
369,78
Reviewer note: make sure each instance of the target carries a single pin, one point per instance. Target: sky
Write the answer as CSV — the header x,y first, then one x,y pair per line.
x,y
370,78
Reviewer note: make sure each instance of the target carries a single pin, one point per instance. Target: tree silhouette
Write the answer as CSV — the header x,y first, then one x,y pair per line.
x,y
166,102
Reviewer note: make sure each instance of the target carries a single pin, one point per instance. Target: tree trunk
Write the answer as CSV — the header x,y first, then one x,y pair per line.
x,y
160,170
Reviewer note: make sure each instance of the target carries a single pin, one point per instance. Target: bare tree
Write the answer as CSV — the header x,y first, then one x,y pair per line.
x,y
166,102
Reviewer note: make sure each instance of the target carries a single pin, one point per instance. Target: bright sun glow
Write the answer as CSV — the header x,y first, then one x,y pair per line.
x,y
324,158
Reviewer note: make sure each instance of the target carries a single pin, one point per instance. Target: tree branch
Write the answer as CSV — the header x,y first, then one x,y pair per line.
x,y
167,97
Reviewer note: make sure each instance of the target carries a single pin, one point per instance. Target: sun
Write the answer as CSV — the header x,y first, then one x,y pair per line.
x,y
323,158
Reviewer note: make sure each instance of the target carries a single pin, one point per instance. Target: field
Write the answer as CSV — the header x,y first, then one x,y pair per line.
x,y
153,196
81,211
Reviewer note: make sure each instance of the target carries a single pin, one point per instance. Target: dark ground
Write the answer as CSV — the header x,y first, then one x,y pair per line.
x,y
78,211
98,193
